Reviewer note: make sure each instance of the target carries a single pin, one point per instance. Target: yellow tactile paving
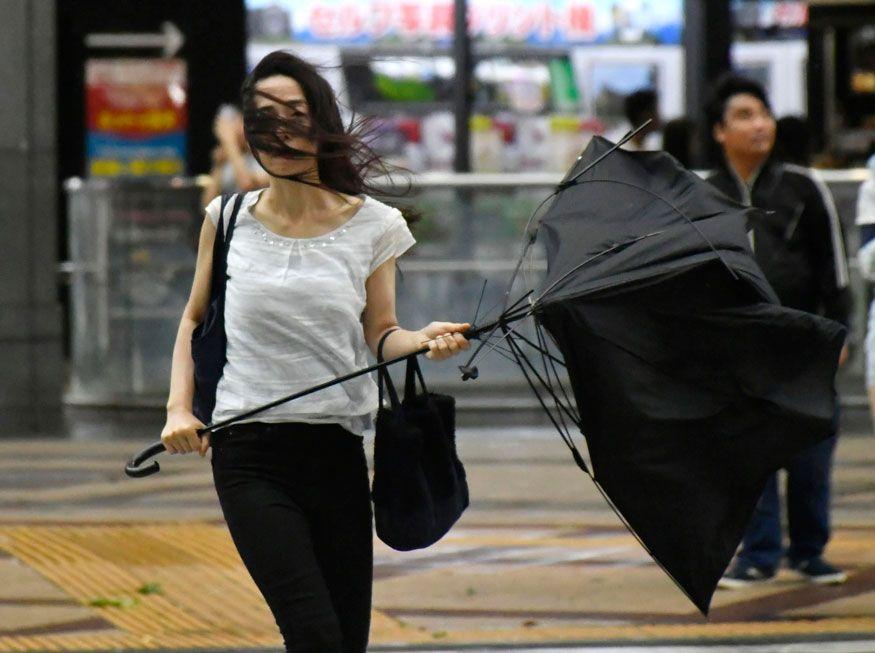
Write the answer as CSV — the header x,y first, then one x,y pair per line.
x,y
207,599
95,562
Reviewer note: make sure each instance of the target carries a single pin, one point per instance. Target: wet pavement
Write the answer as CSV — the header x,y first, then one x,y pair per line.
x,y
93,560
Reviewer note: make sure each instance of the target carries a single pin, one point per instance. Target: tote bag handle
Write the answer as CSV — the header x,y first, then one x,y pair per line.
x,y
383,376
413,371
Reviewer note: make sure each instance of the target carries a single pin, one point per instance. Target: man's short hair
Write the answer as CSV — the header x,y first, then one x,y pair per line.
x,y
639,106
724,89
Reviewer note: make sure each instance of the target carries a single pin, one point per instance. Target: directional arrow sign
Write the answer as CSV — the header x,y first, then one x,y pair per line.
x,y
170,39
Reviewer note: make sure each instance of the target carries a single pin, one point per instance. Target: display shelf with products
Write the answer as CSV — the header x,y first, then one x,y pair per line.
x,y
524,103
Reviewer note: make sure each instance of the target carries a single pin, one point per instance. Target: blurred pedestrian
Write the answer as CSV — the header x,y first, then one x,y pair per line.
x,y
798,243
310,290
234,169
866,202
638,107
866,261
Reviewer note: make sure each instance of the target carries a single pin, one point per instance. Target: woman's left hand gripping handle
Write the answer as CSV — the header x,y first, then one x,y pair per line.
x,y
180,433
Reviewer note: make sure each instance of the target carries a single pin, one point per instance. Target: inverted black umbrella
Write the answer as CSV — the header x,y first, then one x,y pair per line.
x,y
688,380
690,383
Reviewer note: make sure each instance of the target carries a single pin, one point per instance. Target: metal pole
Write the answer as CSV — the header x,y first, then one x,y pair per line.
x,y
707,40
829,109
462,96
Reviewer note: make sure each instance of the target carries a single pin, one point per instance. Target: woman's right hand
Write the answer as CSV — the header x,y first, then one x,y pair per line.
x,y
180,433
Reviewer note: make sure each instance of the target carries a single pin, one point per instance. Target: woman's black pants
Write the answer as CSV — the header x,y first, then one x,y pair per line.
x,y
296,500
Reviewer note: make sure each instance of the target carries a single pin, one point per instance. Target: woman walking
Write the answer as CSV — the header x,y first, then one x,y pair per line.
x,y
310,287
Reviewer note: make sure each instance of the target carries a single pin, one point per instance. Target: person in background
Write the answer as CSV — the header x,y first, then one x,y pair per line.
x,y
797,241
866,261
866,202
638,107
234,168
677,140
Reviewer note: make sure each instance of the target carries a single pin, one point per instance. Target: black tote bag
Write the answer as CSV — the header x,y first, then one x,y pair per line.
x,y
208,342
419,488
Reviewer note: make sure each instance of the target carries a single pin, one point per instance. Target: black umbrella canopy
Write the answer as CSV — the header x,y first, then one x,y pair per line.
x,y
636,216
692,384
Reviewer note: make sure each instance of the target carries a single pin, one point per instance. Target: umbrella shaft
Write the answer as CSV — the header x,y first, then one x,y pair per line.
x,y
471,333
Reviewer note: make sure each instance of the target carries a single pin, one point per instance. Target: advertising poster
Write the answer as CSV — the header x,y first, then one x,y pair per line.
x,y
136,117
530,22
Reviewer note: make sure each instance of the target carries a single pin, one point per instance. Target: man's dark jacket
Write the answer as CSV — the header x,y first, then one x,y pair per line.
x,y
797,238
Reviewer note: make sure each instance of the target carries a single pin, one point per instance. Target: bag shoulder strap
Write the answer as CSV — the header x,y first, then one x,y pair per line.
x,y
218,245
232,219
224,232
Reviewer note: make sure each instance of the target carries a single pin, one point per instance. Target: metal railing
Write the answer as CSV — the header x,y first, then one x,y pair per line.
x,y
132,251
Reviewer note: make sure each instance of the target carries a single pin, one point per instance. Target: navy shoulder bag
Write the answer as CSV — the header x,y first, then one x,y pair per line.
x,y
208,343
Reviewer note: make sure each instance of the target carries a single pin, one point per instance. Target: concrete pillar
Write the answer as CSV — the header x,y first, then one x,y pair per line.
x,y
31,357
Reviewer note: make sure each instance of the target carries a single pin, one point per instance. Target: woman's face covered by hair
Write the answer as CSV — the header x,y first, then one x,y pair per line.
x,y
279,129
294,128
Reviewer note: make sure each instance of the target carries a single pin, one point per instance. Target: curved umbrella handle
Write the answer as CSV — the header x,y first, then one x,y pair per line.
x,y
134,467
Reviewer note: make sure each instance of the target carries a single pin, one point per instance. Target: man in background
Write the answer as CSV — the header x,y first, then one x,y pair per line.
x,y
798,243
638,107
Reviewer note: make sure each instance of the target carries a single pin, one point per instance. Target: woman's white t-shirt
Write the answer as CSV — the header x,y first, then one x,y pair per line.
x,y
293,311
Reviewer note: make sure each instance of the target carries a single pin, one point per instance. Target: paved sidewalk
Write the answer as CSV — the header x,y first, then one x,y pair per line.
x,y
93,560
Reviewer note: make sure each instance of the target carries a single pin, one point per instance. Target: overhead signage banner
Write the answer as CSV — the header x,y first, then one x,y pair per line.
x,y
530,22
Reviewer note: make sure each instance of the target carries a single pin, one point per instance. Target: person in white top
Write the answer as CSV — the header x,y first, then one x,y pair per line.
x,y
311,288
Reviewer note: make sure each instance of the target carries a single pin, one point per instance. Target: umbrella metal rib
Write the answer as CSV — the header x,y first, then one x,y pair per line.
x,y
562,432
530,236
550,359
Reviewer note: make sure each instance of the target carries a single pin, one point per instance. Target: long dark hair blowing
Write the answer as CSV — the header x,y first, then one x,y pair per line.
x,y
345,161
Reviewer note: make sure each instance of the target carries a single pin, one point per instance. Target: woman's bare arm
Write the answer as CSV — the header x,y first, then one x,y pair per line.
x,y
443,338
179,434
182,368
